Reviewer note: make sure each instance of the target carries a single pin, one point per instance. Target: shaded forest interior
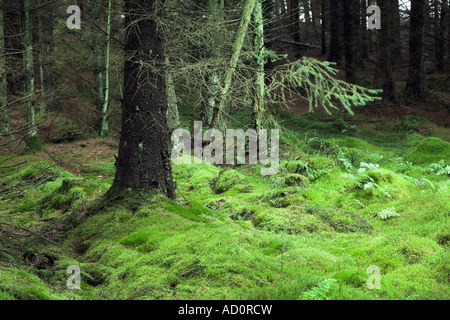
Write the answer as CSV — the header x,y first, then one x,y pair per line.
x,y
91,92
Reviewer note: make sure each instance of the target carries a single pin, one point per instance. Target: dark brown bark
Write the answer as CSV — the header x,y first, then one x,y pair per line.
x,y
416,83
364,33
323,38
143,162
294,20
47,60
351,18
335,53
440,34
384,76
447,15
396,39
13,46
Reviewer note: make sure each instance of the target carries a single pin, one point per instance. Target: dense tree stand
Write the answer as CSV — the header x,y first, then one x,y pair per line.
x,y
143,162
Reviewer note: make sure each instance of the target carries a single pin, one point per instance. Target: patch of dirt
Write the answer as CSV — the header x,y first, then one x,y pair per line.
x,y
81,146
72,155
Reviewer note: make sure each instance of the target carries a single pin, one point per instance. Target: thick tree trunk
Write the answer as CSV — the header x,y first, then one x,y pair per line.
x,y
47,61
416,83
32,140
143,162
4,111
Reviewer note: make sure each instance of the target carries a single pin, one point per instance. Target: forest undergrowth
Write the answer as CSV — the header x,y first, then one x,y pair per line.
x,y
345,198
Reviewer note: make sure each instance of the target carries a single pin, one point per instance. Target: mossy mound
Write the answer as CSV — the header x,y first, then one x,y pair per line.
x,y
295,179
430,150
197,178
340,220
227,180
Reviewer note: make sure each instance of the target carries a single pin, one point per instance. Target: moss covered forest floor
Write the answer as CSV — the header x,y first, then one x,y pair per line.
x,y
348,195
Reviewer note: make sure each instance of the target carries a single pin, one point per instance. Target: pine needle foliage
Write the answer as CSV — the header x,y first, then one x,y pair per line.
x,y
315,81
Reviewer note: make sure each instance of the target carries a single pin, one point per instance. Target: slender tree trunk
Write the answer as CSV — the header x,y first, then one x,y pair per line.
x,y
143,162
396,36
306,11
47,60
385,59
241,32
447,14
97,64
268,8
294,20
350,39
258,103
440,34
335,53
4,112
363,30
103,129
416,83
216,14
173,118
315,13
32,140
13,29
308,28
323,34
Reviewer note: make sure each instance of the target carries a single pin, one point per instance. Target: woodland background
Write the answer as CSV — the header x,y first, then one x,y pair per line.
x,y
364,149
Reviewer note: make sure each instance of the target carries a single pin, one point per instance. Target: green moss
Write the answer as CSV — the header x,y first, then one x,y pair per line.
x,y
351,142
341,221
193,211
294,166
28,173
33,144
58,201
352,277
227,180
430,150
295,179
259,238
